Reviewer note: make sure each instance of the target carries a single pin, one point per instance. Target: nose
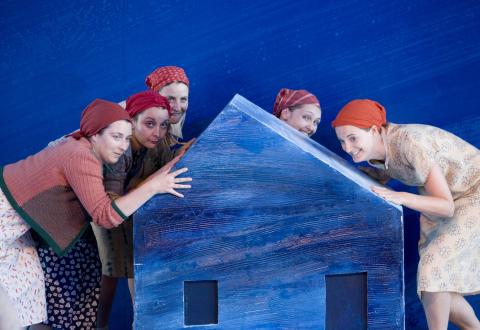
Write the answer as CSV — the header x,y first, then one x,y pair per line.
x,y
311,127
346,147
156,131
125,144
175,105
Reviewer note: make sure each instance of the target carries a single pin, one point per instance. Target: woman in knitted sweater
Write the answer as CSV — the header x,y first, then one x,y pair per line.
x,y
57,192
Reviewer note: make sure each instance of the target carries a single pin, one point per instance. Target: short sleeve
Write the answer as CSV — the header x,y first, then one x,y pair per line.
x,y
418,155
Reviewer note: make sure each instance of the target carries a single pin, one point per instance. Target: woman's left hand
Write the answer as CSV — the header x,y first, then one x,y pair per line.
x,y
396,197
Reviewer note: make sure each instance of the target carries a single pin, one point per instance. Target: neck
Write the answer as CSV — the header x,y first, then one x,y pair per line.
x,y
380,150
136,146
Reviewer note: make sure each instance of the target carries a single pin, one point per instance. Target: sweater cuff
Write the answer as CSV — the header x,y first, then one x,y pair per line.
x,y
115,207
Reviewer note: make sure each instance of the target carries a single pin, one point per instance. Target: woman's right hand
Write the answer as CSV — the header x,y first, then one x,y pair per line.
x,y
375,174
163,181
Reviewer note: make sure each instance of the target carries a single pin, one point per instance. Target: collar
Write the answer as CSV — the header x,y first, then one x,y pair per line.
x,y
379,164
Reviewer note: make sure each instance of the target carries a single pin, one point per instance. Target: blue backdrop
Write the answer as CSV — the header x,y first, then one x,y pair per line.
x,y
421,59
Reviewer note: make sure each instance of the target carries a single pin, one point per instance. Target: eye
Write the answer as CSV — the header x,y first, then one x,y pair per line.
x,y
352,139
150,124
307,117
164,124
116,136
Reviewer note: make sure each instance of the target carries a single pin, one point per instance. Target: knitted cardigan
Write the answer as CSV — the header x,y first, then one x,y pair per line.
x,y
58,191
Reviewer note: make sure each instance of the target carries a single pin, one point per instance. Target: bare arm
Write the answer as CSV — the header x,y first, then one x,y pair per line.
x,y
437,202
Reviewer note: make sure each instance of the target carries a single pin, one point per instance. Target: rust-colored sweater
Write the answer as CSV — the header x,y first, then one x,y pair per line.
x,y
58,191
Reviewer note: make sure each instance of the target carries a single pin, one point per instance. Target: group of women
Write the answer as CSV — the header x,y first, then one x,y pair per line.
x,y
123,155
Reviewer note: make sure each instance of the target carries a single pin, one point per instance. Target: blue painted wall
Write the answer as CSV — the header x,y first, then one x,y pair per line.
x,y
421,59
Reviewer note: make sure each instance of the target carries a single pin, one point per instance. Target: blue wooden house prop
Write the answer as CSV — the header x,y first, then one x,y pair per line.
x,y
277,232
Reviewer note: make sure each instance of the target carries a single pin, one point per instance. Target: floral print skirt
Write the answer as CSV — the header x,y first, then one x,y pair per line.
x,y
450,249
72,284
21,275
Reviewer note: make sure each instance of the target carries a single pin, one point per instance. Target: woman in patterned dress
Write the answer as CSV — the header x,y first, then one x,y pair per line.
x,y
446,170
299,109
56,192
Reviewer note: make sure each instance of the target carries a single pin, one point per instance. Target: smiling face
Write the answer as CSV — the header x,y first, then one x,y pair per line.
x,y
304,118
111,142
361,144
177,95
150,126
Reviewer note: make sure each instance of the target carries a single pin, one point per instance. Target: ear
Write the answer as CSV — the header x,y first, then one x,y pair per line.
x,y
285,114
93,139
375,129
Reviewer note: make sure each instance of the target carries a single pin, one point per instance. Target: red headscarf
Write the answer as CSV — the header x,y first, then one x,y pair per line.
x,y
289,98
144,100
165,75
98,115
361,113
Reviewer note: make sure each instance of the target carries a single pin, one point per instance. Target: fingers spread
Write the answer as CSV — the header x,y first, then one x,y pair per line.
x,y
182,186
180,171
175,193
179,180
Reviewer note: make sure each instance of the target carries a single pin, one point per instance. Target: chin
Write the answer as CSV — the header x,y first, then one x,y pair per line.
x,y
357,160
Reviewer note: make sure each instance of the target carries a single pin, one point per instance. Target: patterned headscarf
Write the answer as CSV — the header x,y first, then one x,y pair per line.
x,y
287,98
98,115
166,75
144,100
361,113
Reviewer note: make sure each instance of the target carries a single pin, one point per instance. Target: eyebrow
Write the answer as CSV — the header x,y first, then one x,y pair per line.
x,y
118,133
311,113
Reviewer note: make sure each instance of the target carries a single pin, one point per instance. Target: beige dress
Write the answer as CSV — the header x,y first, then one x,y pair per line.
x,y
449,248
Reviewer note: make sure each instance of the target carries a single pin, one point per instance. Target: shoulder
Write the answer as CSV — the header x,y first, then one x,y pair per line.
x,y
408,136
78,154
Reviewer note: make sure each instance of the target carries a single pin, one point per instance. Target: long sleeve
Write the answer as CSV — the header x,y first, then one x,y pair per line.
x,y
85,178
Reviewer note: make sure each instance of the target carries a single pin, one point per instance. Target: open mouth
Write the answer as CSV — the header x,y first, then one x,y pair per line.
x,y
355,154
306,133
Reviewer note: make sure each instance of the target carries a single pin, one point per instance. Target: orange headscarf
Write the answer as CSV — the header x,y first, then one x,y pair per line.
x,y
98,115
290,97
166,75
361,113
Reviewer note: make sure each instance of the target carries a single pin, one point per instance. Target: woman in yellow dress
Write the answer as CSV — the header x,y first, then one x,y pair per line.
x,y
446,170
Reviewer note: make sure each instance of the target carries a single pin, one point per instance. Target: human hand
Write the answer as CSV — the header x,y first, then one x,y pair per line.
x,y
168,166
185,146
396,197
164,181
375,174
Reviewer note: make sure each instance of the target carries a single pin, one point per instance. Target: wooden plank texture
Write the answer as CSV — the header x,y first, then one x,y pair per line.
x,y
269,215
